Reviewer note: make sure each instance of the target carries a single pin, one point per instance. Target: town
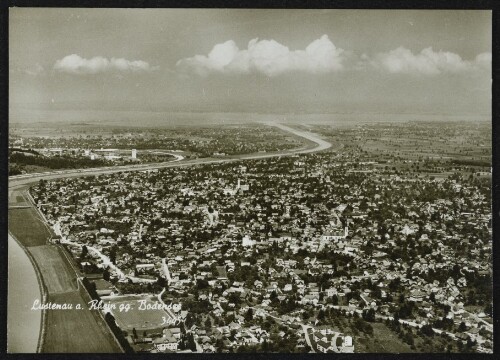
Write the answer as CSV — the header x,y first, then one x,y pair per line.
x,y
31,152
345,250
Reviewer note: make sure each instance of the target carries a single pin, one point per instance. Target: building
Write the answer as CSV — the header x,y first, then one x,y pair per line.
x,y
335,235
246,241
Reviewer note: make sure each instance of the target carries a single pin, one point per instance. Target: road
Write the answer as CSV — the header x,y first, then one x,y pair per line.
x,y
104,258
26,179
305,329
21,182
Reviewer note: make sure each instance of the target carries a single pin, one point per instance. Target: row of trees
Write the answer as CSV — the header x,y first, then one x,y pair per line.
x,y
55,162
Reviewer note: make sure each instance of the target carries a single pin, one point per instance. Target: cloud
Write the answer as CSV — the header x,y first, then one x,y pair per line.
x,y
483,61
75,64
35,70
427,62
268,57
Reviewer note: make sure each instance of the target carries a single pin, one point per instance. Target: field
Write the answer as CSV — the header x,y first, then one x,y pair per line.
x,y
26,226
383,341
25,222
467,142
69,330
76,331
139,319
57,274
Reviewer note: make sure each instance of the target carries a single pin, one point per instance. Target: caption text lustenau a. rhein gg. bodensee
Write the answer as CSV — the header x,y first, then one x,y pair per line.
x,y
100,305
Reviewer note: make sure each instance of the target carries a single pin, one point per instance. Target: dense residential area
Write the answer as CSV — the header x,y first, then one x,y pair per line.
x,y
338,251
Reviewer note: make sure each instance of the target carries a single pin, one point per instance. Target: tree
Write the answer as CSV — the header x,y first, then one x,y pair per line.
x,y
105,274
189,321
219,345
208,323
488,309
134,332
432,297
265,346
409,338
334,300
249,315
85,252
470,343
321,315
462,327
273,297
369,315
394,284
112,254
191,344
427,330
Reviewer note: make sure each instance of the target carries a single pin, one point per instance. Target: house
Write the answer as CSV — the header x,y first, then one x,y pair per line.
x,y
353,304
335,235
145,266
309,299
323,346
331,291
166,342
103,287
175,332
417,295
222,273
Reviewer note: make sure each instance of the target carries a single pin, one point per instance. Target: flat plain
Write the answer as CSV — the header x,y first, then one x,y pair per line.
x,y
57,274
27,227
76,331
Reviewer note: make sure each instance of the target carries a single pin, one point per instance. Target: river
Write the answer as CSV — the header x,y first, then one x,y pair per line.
x,y
23,324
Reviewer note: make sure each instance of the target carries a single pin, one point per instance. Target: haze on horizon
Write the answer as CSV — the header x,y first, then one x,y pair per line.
x,y
265,61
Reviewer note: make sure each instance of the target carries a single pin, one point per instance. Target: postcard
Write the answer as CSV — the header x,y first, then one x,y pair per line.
x,y
249,180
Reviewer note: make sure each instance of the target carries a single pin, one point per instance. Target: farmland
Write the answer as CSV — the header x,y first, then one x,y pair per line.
x,y
25,224
55,271
76,331
461,143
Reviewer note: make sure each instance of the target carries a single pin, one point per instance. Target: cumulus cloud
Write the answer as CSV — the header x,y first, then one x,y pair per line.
x,y
483,61
75,64
268,57
427,62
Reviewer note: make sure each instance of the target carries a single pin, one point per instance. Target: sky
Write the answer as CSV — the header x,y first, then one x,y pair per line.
x,y
268,61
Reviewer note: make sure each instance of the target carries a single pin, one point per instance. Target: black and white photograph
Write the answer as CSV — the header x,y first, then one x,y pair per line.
x,y
187,180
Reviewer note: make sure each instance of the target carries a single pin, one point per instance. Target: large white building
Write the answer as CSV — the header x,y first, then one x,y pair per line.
x,y
246,241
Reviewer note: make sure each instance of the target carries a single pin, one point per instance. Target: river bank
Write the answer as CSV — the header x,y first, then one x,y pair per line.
x,y
23,324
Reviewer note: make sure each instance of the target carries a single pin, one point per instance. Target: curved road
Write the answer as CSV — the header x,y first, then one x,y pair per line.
x,y
22,181
25,179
